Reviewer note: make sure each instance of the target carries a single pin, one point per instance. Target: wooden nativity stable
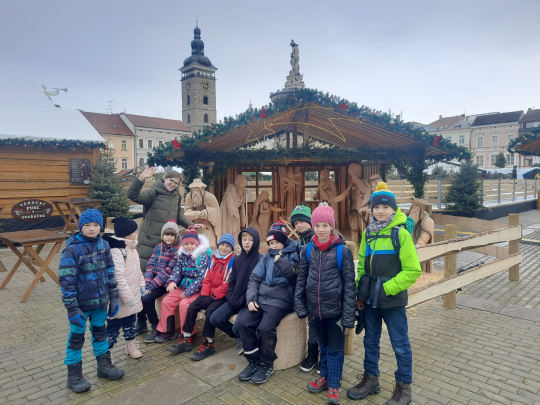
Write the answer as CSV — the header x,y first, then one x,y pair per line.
x,y
283,147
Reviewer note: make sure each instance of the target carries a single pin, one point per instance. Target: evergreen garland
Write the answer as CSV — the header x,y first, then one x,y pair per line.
x,y
524,139
54,144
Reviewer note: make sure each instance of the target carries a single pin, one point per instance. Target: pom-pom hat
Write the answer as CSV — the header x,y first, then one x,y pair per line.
x,y
278,231
323,213
91,215
383,196
301,213
170,224
191,236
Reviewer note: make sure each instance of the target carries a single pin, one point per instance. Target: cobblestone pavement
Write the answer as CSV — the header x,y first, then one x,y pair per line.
x,y
462,356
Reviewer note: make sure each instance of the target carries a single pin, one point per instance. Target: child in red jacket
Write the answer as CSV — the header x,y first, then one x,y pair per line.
x,y
214,289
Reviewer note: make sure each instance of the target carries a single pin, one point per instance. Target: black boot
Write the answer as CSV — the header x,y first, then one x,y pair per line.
x,y
171,331
76,380
141,327
263,373
106,369
312,357
401,395
368,385
248,372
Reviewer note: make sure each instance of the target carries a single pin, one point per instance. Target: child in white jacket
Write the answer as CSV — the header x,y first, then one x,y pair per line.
x,y
131,285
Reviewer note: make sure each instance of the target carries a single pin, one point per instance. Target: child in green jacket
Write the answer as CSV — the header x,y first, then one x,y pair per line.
x,y
388,265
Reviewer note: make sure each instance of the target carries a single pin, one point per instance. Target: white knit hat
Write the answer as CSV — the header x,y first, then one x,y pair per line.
x,y
170,224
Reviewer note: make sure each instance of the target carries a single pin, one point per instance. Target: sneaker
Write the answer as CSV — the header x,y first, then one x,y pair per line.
x,y
206,349
262,374
151,337
333,395
163,337
182,345
248,372
318,385
368,385
312,357
141,327
239,346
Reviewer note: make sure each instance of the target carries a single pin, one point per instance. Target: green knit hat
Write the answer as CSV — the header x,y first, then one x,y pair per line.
x,y
301,213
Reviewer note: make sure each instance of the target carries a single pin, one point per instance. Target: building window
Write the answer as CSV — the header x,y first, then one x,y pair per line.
x,y
495,141
160,144
510,159
188,100
141,161
528,125
205,100
124,164
493,159
124,145
141,143
462,139
257,183
536,124
110,144
480,142
188,118
510,138
149,144
528,162
206,118
449,138
480,160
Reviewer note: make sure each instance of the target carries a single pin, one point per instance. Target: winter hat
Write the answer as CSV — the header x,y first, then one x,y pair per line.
x,y
228,239
170,224
91,215
191,236
383,196
301,213
124,226
325,214
278,231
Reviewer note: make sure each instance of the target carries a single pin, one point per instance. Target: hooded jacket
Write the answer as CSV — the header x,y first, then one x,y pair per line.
x,y
161,265
216,279
162,205
186,274
242,267
323,290
385,273
272,282
87,273
304,239
127,273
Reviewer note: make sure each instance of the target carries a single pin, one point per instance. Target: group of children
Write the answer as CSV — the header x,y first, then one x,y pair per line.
x,y
314,276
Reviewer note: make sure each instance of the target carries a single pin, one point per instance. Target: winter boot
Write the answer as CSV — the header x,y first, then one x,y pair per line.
x,y
401,395
368,385
333,396
182,345
206,349
141,327
106,369
133,349
163,337
76,380
151,337
312,357
239,346
263,373
319,385
248,372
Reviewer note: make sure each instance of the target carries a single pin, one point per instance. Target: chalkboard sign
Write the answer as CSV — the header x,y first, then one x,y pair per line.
x,y
31,210
79,171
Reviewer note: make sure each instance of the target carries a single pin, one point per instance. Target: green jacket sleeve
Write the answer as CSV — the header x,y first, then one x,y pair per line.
x,y
361,258
135,194
180,218
410,266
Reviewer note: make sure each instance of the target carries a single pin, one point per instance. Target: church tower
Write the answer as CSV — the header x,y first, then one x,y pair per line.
x,y
198,87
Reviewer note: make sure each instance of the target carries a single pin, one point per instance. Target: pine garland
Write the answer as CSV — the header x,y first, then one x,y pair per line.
x,y
523,139
54,144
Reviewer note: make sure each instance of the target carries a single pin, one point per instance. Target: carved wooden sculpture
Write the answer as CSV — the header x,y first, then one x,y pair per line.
x,y
327,192
260,220
202,207
424,229
233,207
288,194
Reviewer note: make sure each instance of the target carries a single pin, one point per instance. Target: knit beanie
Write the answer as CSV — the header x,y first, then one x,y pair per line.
x,y
278,231
191,236
124,226
323,214
383,196
170,224
91,215
228,239
301,213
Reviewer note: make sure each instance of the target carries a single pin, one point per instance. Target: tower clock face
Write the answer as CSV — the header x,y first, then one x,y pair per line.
x,y
205,84
188,86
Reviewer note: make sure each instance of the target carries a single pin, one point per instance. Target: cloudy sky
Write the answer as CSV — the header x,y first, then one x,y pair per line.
x,y
423,58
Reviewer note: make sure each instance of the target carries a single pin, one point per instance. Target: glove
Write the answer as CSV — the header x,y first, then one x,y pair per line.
x,y
76,317
113,308
360,321
130,304
143,291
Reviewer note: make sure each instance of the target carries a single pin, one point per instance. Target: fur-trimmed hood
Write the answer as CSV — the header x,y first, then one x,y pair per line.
x,y
119,243
203,247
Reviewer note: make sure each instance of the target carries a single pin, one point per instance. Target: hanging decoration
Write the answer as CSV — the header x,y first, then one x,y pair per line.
x,y
436,141
51,144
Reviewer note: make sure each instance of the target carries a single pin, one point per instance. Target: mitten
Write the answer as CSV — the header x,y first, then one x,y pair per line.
x,y
360,321
129,304
143,291
76,317
113,307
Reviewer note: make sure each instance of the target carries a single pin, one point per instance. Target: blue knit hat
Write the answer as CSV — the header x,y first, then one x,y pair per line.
x,y
91,215
227,238
383,196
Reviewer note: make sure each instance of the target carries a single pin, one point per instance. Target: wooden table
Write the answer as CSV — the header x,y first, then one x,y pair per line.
x,y
2,267
30,257
75,206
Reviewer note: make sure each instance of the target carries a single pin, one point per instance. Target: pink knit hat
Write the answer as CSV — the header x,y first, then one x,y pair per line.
x,y
323,213
191,236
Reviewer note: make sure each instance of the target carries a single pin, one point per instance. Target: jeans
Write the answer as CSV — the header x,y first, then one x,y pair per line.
x,y
220,319
128,324
209,304
332,346
396,322
149,305
75,341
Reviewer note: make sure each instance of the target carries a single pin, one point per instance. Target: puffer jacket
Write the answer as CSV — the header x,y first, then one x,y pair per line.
x,y
161,205
87,273
272,282
382,272
216,279
128,274
161,265
323,291
304,238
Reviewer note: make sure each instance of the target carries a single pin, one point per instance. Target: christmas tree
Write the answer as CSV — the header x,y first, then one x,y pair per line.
x,y
500,161
463,193
106,186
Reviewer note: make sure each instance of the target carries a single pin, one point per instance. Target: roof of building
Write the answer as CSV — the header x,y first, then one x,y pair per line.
x,y
531,115
158,123
197,51
498,118
107,123
27,113
446,122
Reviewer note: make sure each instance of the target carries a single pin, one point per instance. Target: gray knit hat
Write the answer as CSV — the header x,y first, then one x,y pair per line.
x,y
171,224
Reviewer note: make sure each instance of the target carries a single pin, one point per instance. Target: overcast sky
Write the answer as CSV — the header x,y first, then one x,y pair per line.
x,y
424,58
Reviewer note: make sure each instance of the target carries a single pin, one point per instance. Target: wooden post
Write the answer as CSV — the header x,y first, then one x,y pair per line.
x,y
295,138
429,209
513,247
538,201
450,266
349,341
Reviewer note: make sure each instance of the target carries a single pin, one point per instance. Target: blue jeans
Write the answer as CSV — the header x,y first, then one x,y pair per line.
x,y
98,329
220,319
396,322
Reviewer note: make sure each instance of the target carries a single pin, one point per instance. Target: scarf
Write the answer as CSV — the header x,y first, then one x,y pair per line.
x,y
323,246
377,226
219,256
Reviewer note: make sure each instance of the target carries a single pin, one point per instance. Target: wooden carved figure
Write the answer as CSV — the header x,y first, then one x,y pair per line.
x,y
233,207
202,207
424,229
327,192
288,193
260,219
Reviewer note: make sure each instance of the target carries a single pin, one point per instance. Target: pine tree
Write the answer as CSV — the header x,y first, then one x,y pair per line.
x,y
106,186
463,193
500,161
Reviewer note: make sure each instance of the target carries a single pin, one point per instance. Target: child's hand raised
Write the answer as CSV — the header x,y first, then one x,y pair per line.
x,y
253,306
171,287
276,257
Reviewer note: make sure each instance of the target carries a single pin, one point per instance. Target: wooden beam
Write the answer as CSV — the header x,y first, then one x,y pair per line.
x,y
450,266
437,288
470,224
513,247
295,136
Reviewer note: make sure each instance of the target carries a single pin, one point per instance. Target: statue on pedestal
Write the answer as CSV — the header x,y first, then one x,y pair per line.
x,y
424,229
327,192
233,207
202,207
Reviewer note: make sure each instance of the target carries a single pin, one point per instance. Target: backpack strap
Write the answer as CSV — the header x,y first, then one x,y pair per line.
x,y
394,235
308,250
309,246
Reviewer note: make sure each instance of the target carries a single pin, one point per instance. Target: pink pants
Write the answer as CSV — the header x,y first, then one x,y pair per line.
x,y
168,306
